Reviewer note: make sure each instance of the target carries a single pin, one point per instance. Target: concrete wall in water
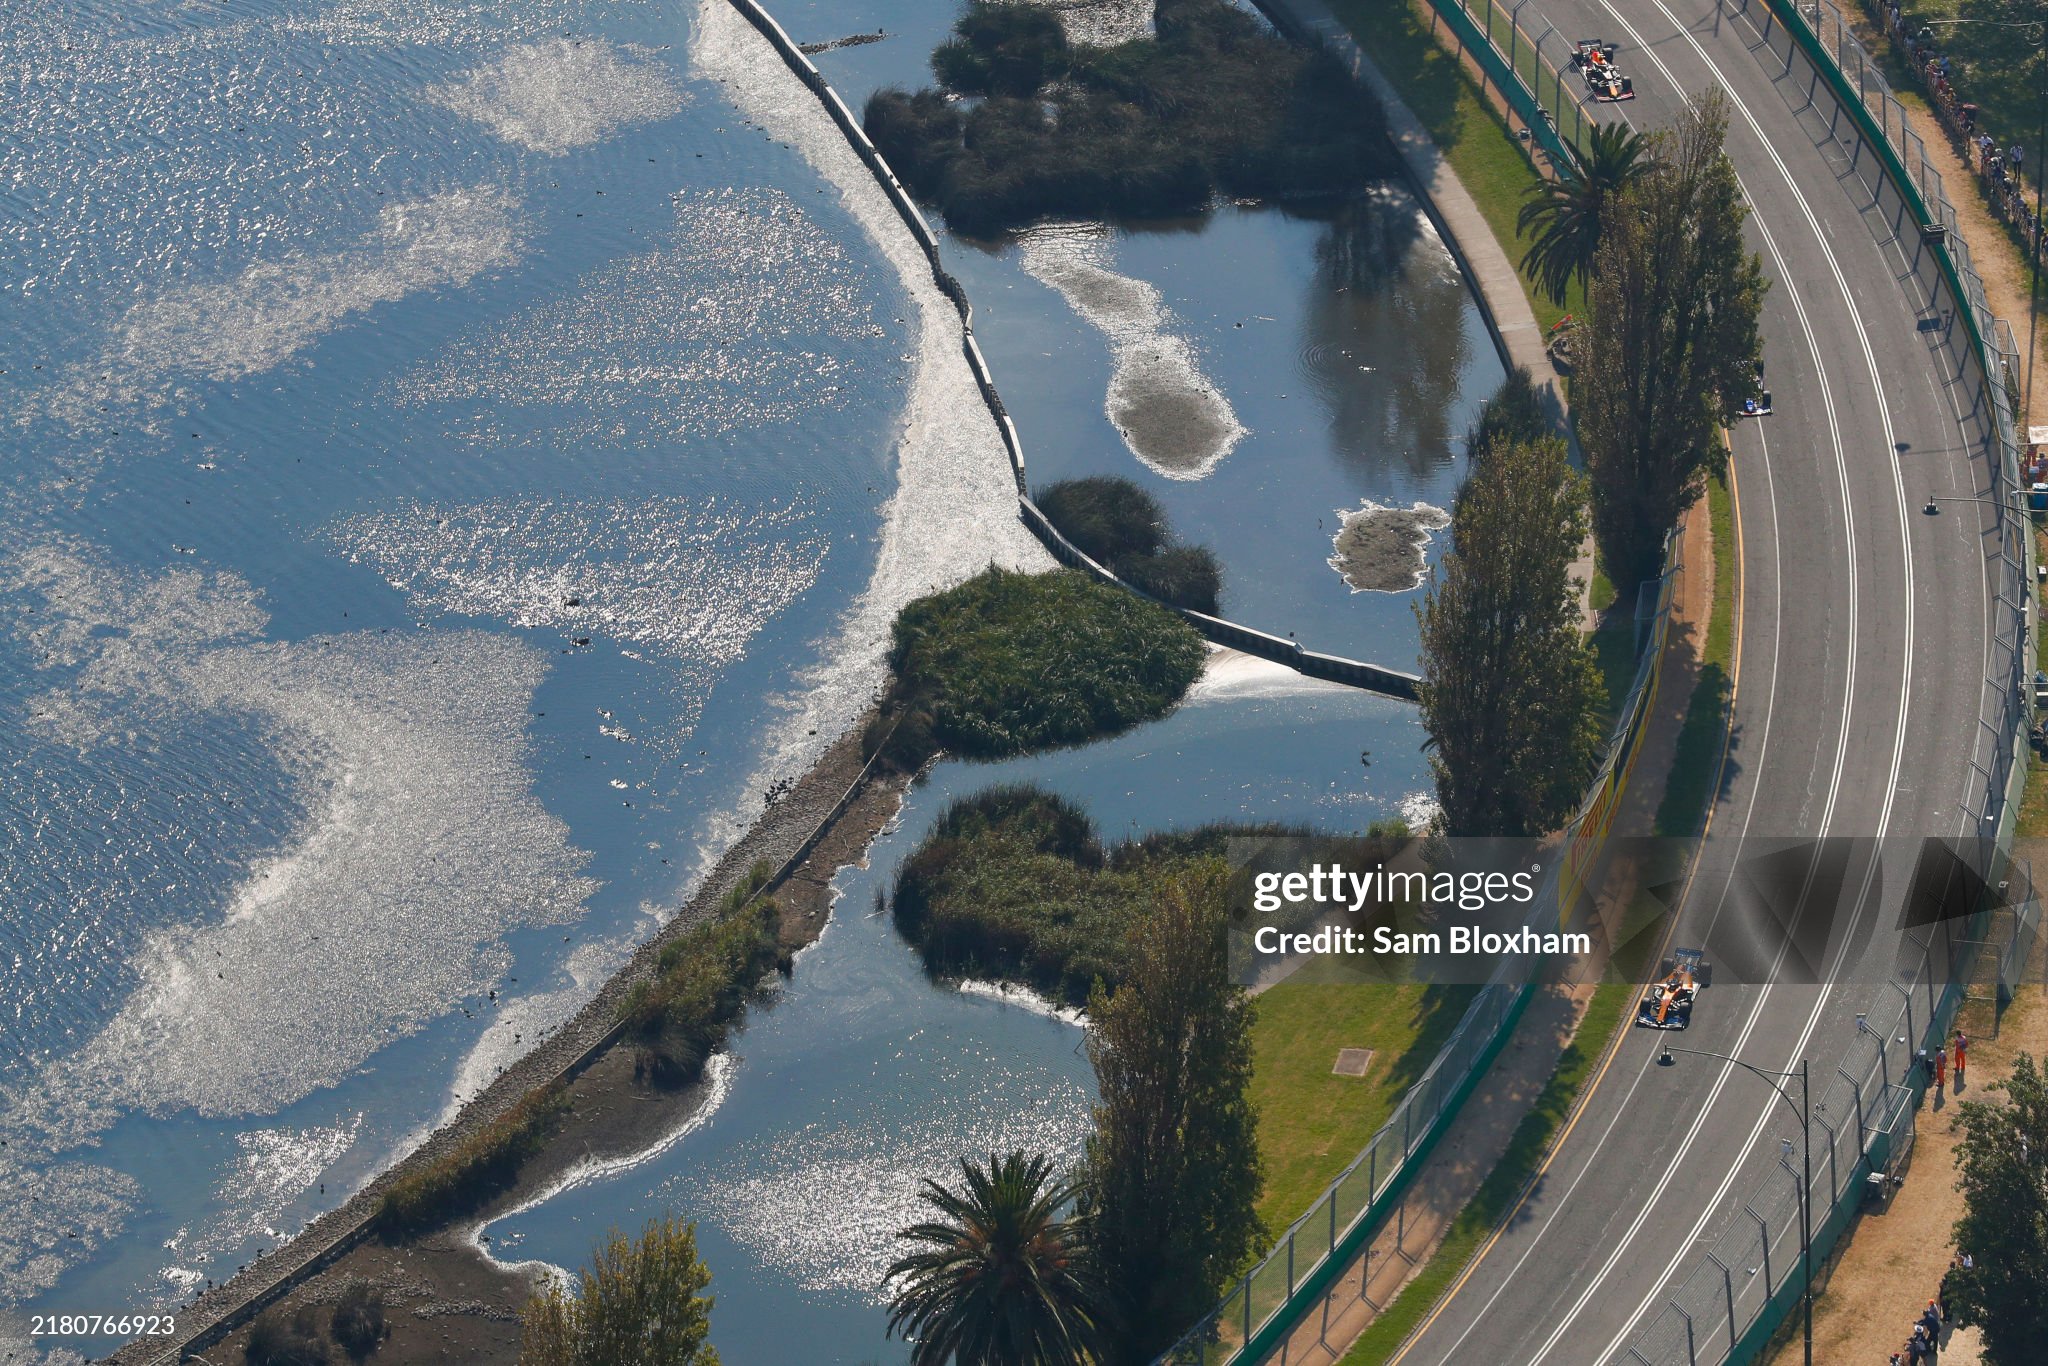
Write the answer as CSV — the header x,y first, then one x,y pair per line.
x,y
1281,650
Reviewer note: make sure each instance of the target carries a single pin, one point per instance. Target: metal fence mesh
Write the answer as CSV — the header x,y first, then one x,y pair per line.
x,y
1361,1196
1750,1278
1736,1296
1262,1292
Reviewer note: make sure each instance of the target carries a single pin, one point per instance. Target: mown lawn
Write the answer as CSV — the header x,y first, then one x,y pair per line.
x,y
1311,1122
1473,138
1532,1139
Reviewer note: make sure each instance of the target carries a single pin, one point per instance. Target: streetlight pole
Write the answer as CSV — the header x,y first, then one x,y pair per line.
x,y
1804,1109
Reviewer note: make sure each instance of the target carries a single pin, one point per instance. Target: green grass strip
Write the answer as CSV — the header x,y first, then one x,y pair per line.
x,y
1497,1194
1474,138
1697,762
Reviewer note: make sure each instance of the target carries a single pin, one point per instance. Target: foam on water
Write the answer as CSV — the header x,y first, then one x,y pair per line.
x,y
229,329
1170,414
1230,674
954,510
1022,997
17,1348
439,23
729,326
420,848
270,1172
52,1217
549,97
692,580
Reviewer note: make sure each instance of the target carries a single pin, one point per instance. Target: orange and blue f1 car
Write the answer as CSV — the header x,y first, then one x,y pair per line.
x,y
1593,59
1667,1003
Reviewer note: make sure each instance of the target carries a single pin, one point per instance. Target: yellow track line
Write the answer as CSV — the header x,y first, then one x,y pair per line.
x,y
1614,1044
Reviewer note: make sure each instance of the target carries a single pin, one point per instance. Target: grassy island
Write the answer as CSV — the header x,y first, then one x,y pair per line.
x,y
1013,883
1025,126
1122,527
1007,663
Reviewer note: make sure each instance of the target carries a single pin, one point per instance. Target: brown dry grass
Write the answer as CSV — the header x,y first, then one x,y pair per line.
x,y
1999,260
1894,1260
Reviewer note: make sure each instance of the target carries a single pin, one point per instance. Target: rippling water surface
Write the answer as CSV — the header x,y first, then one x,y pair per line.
x,y
454,457
449,449
824,1122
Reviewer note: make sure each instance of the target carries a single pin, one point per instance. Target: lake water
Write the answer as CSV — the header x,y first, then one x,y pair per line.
x,y
362,362
1344,343
824,1123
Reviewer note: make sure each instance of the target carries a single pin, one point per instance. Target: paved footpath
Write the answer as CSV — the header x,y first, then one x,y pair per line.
x,y
1478,1138
1464,229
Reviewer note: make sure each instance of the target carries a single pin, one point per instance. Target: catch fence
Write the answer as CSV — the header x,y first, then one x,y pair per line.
x,y
1530,61
1821,59
1266,1302
1751,1279
1743,1289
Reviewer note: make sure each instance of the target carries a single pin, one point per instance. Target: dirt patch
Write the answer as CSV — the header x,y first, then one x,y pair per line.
x,y
1385,550
1170,416
1169,413
1893,1262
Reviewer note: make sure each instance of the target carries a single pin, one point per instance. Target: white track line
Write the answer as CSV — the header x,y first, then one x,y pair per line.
x,y
1711,1207
1787,280
1763,748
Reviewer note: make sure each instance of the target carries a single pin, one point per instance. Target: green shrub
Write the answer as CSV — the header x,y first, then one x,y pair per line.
x,y
1215,103
1002,50
1008,663
918,133
359,1319
481,1166
1183,575
1122,527
1012,882
702,980
1105,517
276,1340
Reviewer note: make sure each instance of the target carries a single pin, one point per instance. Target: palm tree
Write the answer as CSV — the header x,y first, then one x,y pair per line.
x,y
1568,214
1002,1279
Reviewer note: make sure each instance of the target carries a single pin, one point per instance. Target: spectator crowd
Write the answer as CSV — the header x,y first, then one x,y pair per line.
x,y
2000,169
1928,1331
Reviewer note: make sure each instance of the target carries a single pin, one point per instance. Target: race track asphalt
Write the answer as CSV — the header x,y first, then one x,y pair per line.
x,y
1865,629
